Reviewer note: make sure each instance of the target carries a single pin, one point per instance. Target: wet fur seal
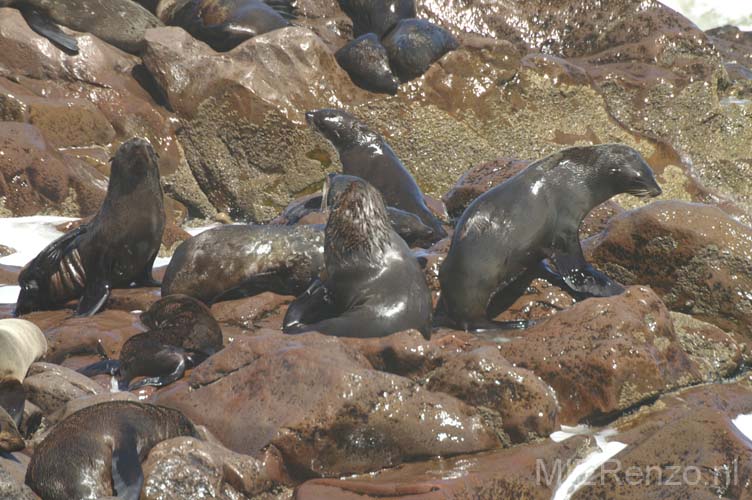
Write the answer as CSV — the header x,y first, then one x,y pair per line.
x,y
372,286
366,154
414,45
100,449
367,63
376,16
182,333
224,24
115,249
506,232
122,23
241,260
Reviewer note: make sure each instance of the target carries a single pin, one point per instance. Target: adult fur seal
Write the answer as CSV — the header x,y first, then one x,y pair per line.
x,y
241,260
376,16
506,232
366,154
182,333
97,451
223,24
373,286
115,249
122,23
414,45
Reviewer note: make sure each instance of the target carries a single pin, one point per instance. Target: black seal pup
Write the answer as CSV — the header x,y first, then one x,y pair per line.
x,y
376,16
414,45
97,451
116,249
372,285
366,154
241,260
224,24
506,232
367,63
182,333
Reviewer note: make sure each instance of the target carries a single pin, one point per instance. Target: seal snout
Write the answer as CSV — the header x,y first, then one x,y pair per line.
x,y
309,118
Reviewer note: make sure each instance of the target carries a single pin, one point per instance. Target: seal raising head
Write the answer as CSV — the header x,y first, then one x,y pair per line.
x,y
505,234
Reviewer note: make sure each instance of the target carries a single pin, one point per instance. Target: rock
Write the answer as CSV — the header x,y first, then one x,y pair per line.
x,y
133,299
12,471
262,310
696,257
50,386
483,378
181,467
322,405
604,355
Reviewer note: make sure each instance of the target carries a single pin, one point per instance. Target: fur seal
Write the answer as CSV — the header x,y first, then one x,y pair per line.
x,y
114,250
367,63
224,24
373,285
97,451
376,16
240,260
122,23
506,232
182,333
10,437
366,154
414,45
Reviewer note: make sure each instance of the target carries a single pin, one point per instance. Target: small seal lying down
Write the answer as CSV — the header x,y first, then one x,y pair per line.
x,y
373,285
503,236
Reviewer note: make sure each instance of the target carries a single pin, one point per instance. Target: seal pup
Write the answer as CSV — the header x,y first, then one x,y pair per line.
x,y
367,63
414,45
182,333
366,154
242,260
116,249
376,16
122,23
372,285
504,234
224,24
97,451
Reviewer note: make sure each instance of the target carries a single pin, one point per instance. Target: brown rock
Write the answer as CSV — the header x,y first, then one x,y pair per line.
x,y
262,310
12,473
323,406
51,387
715,353
604,355
697,258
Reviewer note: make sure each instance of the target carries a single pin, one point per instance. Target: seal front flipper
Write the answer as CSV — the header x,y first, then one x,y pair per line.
x,y
163,380
578,274
44,26
127,476
146,279
96,293
312,306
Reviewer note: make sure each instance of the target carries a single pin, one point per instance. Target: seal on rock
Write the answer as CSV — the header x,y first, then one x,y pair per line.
x,y
240,260
224,24
97,451
372,285
366,154
114,250
122,23
506,233
414,45
367,63
376,16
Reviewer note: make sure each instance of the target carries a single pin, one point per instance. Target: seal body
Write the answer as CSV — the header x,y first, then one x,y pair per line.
x,y
373,286
21,343
223,24
376,16
100,449
241,260
367,63
414,45
366,154
114,250
506,232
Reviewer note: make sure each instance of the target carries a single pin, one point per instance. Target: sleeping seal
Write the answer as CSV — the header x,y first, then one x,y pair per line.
x,y
373,286
97,451
114,250
506,232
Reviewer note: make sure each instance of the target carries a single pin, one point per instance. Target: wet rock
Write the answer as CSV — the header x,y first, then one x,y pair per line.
x,y
263,310
734,46
483,378
12,473
414,44
697,258
715,353
180,467
50,386
133,299
322,405
604,355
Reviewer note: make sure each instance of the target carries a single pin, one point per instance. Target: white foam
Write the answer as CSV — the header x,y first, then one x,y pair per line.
x,y
567,432
580,474
28,236
193,231
744,424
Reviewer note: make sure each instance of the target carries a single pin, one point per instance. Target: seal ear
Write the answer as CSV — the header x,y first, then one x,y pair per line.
x,y
127,476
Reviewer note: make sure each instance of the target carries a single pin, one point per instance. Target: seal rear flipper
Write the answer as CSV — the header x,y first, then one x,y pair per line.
x,y
127,476
311,307
581,276
13,399
95,295
44,26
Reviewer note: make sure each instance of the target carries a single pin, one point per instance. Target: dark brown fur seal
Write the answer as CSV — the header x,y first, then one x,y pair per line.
x,y
376,16
367,63
506,232
373,286
366,154
414,45
114,250
97,451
